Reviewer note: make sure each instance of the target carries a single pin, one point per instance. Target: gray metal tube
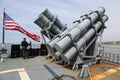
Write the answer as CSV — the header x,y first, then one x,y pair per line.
x,y
60,24
52,42
55,30
42,21
63,44
57,55
48,14
52,17
50,21
72,52
73,26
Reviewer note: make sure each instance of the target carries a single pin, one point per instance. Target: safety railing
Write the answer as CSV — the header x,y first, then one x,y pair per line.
x,y
109,56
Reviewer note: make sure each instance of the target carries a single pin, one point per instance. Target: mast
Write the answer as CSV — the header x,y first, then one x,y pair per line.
x,y
3,36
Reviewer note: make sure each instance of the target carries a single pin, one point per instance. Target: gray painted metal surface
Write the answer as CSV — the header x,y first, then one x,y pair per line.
x,y
63,44
67,43
72,52
58,37
31,69
51,17
50,24
52,51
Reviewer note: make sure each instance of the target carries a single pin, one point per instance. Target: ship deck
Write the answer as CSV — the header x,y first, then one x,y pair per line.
x,y
40,68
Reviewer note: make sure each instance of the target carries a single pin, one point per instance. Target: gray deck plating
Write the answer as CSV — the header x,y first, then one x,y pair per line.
x,y
30,69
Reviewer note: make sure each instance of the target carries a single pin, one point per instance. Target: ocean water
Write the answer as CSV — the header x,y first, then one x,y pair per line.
x,y
8,47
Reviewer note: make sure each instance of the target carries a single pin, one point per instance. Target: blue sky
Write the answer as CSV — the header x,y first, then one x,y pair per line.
x,y
24,12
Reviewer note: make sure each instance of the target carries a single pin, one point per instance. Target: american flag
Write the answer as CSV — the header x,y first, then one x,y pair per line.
x,y
10,24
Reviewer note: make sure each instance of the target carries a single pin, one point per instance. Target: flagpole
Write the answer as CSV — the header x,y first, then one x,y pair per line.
x,y
3,37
